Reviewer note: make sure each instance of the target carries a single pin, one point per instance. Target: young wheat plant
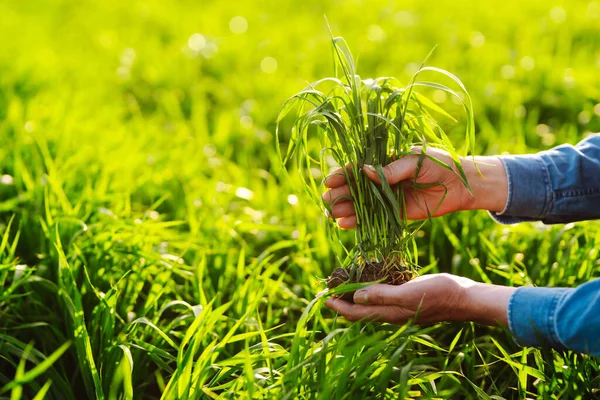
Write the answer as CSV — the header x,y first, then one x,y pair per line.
x,y
360,122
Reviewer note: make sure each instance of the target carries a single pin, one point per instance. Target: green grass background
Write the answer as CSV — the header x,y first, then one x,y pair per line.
x,y
152,248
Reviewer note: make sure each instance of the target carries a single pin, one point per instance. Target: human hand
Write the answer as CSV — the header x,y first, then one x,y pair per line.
x,y
429,298
490,188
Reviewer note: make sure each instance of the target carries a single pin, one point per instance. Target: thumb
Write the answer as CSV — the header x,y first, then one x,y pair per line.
x,y
380,294
409,294
395,171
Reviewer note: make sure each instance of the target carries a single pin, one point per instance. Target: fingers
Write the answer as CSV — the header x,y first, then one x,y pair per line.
x,y
429,298
331,196
347,222
344,209
434,287
337,177
380,295
357,312
396,171
407,295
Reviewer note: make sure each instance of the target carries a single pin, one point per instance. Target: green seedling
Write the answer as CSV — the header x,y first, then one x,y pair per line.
x,y
356,122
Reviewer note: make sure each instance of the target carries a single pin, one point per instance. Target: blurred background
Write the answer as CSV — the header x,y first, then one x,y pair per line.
x,y
155,92
152,124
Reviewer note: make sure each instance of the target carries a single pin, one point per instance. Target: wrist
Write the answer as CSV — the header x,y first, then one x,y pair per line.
x,y
488,181
486,304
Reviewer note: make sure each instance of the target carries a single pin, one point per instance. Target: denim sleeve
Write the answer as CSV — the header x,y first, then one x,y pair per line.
x,y
555,186
567,319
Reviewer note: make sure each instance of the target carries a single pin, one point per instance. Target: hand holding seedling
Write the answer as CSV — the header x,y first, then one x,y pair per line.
x,y
399,165
489,186
428,299
438,297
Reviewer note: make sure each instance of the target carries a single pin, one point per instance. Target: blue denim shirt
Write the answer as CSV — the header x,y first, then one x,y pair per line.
x,y
555,186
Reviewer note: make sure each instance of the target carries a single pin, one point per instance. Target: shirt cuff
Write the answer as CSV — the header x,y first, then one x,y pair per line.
x,y
532,315
529,189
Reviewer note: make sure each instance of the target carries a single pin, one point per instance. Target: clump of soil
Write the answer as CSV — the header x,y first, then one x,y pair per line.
x,y
370,272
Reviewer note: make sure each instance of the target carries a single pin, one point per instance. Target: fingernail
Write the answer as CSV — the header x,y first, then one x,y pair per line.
x,y
327,213
370,168
361,297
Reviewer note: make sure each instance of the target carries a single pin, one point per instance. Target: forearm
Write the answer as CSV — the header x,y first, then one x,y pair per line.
x,y
488,181
486,304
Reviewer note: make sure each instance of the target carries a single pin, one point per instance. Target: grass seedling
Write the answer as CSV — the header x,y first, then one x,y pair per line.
x,y
357,122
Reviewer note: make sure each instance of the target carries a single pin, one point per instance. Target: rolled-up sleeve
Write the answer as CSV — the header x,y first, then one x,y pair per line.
x,y
555,186
557,317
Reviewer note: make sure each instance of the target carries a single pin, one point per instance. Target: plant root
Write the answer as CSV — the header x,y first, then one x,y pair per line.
x,y
391,274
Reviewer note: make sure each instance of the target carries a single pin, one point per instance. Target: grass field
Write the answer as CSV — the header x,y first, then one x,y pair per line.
x,y
152,248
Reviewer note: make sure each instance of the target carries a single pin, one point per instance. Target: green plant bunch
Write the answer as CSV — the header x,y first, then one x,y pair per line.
x,y
358,122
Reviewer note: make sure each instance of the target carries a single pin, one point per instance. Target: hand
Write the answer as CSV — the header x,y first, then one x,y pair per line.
x,y
431,298
490,188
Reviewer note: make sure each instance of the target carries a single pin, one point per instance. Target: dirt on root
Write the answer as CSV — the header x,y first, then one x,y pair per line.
x,y
395,274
